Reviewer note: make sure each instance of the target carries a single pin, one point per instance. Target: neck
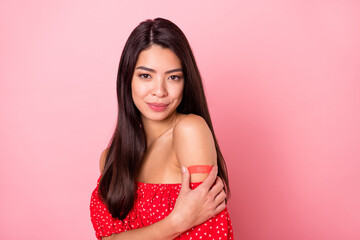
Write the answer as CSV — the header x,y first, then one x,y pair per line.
x,y
154,129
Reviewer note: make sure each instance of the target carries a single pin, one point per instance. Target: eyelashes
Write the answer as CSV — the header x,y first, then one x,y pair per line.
x,y
177,77
172,77
144,76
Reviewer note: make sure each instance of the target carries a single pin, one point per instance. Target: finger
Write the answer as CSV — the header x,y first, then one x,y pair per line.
x,y
220,208
217,188
209,180
185,179
220,198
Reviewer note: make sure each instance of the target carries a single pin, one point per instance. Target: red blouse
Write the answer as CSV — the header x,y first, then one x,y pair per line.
x,y
154,202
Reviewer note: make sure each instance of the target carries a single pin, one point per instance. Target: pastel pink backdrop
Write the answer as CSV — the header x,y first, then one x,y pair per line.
x,y
282,82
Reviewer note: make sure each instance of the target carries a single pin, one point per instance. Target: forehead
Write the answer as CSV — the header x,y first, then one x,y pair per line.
x,y
159,58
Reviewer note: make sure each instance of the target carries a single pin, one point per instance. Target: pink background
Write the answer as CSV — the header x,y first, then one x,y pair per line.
x,y
282,80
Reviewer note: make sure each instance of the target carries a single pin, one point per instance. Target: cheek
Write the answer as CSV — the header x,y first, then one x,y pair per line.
x,y
178,91
138,90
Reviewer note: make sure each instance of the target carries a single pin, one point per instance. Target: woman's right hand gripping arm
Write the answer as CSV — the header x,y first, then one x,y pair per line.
x,y
192,208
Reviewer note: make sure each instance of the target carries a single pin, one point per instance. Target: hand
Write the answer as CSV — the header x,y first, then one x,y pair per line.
x,y
194,207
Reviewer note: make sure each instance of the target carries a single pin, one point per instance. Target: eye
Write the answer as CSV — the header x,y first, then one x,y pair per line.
x,y
174,77
144,76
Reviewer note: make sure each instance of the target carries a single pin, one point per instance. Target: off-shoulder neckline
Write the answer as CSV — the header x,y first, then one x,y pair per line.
x,y
164,184
159,184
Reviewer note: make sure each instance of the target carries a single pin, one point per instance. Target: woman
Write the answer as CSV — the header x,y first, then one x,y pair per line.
x,y
163,134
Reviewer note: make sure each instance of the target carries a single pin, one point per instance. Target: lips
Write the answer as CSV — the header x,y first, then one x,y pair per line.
x,y
158,107
158,104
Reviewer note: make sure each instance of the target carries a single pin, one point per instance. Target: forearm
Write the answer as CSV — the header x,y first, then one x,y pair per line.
x,y
165,229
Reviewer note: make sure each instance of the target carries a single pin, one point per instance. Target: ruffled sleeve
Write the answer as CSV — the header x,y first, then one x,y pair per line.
x,y
104,224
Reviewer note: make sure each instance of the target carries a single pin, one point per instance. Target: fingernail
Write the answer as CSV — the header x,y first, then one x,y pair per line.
x,y
183,169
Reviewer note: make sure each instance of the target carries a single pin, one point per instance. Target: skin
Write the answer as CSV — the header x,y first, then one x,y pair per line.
x,y
174,140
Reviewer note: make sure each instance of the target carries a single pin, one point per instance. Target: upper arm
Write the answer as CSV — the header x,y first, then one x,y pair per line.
x,y
103,159
194,144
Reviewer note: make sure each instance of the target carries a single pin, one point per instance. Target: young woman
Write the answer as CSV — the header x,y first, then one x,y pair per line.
x,y
162,175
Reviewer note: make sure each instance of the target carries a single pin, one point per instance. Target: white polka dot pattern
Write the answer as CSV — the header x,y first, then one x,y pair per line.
x,y
153,203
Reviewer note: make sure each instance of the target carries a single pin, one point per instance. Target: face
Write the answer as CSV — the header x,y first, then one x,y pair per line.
x,y
157,83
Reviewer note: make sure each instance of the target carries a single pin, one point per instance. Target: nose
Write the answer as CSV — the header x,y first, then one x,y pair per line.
x,y
159,88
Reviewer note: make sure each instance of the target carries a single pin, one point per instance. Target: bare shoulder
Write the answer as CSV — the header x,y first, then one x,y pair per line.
x,y
194,143
103,158
190,122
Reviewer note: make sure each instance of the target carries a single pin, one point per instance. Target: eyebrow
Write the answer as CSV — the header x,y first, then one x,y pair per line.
x,y
152,70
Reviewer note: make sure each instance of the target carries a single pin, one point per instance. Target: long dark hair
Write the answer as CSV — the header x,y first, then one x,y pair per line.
x,y
128,143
